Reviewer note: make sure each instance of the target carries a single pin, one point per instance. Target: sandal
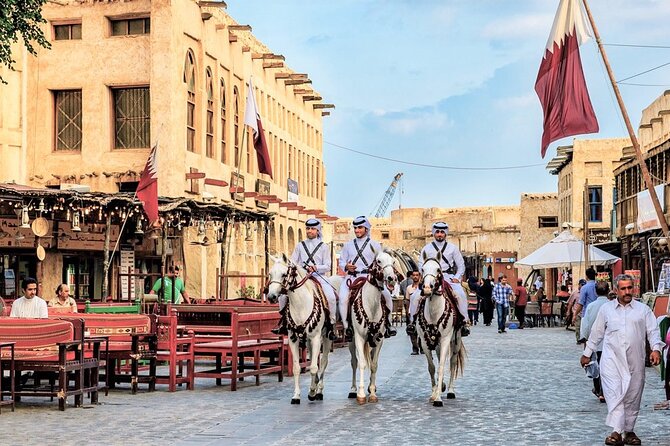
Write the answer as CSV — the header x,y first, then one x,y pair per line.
x,y
602,399
631,438
614,439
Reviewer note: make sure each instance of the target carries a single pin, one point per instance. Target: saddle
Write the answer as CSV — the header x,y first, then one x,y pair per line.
x,y
448,293
319,291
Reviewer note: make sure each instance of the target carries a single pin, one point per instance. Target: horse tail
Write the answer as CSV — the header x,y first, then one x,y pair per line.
x,y
460,355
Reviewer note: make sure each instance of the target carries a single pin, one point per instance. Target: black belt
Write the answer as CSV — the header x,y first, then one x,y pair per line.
x,y
365,271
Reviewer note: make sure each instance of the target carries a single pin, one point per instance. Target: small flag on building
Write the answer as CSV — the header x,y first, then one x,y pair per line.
x,y
147,189
253,119
560,82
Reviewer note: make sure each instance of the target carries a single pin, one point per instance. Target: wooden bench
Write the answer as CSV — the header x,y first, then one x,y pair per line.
x,y
175,348
129,339
49,348
231,333
113,308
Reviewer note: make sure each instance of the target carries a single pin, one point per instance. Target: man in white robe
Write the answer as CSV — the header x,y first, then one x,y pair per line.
x,y
30,305
622,325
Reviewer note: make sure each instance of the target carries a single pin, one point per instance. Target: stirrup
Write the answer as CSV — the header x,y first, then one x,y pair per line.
x,y
465,331
349,334
411,329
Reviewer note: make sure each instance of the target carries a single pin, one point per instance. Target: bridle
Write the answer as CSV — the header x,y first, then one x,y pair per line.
x,y
289,280
376,275
439,277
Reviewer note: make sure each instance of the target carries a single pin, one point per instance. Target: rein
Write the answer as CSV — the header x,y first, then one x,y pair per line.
x,y
358,310
431,332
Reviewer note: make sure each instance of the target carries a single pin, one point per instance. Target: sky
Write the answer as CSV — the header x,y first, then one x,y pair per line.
x,y
449,83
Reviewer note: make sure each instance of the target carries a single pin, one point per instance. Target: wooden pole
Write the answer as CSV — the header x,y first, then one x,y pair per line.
x,y
629,127
586,210
105,256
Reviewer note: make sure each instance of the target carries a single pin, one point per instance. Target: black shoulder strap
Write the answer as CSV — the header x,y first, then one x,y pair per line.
x,y
441,252
310,256
360,252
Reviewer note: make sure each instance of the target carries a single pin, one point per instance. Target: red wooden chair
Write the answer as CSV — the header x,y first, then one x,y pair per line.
x,y
177,350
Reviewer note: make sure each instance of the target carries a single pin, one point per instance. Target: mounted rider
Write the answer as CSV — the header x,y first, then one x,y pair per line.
x,y
356,259
314,256
453,268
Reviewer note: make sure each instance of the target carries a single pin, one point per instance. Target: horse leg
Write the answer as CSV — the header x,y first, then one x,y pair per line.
x,y
374,363
431,370
315,349
323,364
444,347
362,364
354,366
295,353
453,364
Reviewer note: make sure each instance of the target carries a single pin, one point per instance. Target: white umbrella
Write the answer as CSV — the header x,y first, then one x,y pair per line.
x,y
567,251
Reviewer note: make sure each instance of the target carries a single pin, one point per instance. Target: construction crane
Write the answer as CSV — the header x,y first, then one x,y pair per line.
x,y
388,195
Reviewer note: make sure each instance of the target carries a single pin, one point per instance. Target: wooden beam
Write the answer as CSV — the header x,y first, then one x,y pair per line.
x,y
214,182
320,106
239,27
236,190
287,204
298,76
267,56
212,4
298,81
302,91
232,37
250,194
246,48
195,175
279,64
311,98
325,113
205,16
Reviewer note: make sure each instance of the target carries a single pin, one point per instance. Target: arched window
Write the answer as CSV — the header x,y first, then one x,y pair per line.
x,y
209,142
189,79
236,120
222,100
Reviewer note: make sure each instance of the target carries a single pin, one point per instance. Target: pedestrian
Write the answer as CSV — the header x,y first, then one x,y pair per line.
x,y
356,259
587,294
539,282
574,298
520,302
562,295
170,295
314,256
30,305
473,300
501,294
486,300
415,278
63,302
453,267
622,325
603,292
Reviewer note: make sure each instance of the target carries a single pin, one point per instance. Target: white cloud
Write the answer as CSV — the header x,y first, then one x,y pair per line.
x,y
517,102
529,26
413,121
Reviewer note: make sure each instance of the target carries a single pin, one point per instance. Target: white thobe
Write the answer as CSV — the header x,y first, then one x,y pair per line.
x,y
623,329
362,262
449,257
30,308
317,256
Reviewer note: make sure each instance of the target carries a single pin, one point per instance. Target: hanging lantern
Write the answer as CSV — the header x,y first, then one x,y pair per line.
x,y
25,218
138,227
76,220
41,208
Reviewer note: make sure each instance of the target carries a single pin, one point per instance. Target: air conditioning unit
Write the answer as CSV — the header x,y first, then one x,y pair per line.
x,y
75,187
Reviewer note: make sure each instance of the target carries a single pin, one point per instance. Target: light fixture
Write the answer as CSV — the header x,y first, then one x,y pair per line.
x,y
25,218
41,208
76,220
201,228
138,227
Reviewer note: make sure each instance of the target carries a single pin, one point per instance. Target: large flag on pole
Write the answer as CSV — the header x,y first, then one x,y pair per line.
x,y
147,189
253,119
560,82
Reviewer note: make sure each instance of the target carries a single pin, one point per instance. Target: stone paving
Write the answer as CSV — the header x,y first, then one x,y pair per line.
x,y
523,387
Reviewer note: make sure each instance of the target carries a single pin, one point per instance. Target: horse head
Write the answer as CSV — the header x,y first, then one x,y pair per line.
x,y
281,274
431,277
383,271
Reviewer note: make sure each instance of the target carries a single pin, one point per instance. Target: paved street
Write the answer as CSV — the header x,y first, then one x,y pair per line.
x,y
523,387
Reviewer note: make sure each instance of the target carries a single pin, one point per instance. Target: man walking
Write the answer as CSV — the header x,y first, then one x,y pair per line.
x,y
622,325
520,303
415,278
587,294
501,295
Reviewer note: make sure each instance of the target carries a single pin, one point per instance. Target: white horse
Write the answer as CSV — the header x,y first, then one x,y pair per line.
x,y
306,316
368,317
436,330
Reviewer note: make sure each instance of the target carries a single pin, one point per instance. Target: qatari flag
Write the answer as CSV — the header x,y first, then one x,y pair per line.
x,y
253,119
147,188
560,82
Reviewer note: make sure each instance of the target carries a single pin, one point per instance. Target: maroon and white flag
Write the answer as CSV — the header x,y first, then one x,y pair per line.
x,y
560,82
147,189
253,119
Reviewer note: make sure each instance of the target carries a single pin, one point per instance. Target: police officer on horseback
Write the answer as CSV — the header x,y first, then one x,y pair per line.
x,y
453,268
356,259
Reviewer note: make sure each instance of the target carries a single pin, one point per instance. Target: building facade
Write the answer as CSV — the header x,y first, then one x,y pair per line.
x,y
123,76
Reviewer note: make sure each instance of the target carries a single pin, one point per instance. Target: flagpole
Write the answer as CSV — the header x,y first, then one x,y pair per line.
x,y
629,127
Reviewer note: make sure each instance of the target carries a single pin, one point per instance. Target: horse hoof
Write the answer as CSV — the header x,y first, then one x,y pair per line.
x,y
451,396
352,395
360,400
438,404
311,397
373,399
319,396
295,400
444,387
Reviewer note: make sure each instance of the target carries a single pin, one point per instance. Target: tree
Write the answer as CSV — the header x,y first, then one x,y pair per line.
x,y
20,19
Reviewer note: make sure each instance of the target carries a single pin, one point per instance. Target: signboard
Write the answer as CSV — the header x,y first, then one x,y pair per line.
x,y
237,180
13,236
262,188
292,186
635,274
664,279
127,260
90,238
646,214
